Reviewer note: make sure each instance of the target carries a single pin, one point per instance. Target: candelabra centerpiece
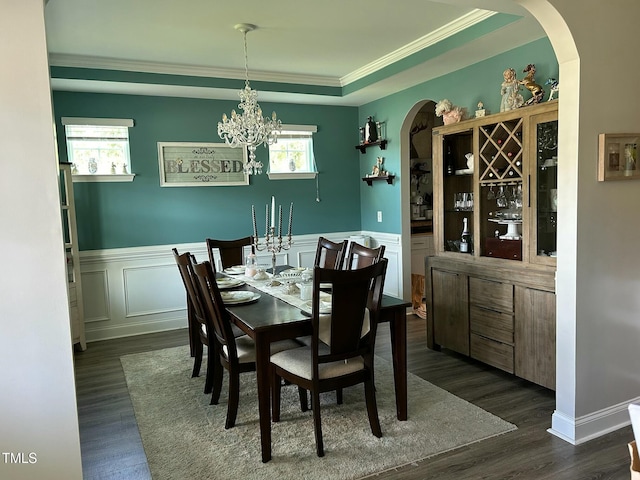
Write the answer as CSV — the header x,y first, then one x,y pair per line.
x,y
273,241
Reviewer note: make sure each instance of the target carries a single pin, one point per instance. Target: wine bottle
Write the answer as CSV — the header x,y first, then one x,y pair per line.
x,y
465,239
448,162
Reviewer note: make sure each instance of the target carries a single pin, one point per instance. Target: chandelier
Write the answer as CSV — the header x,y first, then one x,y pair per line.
x,y
249,128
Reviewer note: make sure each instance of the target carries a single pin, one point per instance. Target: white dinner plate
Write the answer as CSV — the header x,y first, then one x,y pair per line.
x,y
236,298
325,307
226,282
235,270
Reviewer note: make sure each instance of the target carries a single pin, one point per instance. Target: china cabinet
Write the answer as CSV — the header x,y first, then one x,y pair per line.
x,y
491,291
67,205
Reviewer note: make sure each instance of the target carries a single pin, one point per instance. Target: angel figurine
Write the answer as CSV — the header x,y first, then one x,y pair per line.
x,y
510,91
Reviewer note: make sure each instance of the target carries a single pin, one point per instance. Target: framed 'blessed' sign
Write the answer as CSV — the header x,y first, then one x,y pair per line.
x,y
201,164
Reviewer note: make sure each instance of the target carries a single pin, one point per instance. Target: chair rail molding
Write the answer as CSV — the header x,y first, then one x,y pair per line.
x,y
138,290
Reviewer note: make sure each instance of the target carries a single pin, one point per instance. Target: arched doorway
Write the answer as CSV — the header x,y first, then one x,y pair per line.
x,y
416,189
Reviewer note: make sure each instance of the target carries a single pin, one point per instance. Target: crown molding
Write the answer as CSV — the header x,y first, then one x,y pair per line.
x,y
456,26
104,63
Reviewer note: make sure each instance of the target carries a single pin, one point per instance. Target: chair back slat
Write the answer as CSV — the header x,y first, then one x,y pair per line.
x,y
231,251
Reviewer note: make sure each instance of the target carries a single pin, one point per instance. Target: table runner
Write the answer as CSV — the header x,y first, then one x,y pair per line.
x,y
280,292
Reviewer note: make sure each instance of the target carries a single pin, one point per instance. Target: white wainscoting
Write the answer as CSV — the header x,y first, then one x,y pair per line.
x,y
133,291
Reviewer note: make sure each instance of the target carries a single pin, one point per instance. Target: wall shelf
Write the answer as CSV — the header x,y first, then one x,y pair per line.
x,y
363,146
370,180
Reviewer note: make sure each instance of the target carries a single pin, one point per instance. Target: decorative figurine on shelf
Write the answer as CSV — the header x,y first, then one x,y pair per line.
x,y
554,85
377,170
370,131
530,84
124,169
481,112
510,91
74,169
113,168
449,112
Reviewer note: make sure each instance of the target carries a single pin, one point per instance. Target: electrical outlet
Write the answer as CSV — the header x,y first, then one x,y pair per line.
x,y
379,215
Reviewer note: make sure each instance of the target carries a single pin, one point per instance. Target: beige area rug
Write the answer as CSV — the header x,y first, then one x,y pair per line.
x,y
184,436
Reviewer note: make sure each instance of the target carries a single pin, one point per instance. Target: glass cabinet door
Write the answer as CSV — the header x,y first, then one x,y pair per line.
x,y
544,195
458,192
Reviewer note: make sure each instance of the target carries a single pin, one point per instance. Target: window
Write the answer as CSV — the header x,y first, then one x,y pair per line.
x,y
292,155
98,148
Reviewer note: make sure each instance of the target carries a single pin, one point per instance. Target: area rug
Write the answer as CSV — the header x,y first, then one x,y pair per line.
x,y
184,436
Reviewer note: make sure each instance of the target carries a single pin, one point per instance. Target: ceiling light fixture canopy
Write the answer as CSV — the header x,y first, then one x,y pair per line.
x,y
249,128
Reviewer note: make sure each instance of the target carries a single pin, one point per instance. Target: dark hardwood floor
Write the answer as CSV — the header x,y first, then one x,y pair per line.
x,y
111,446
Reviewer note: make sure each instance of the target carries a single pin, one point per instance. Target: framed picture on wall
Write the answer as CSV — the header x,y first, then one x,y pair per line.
x,y
618,156
184,164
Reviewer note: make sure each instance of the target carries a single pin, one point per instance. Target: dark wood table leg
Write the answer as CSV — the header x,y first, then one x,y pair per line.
x,y
264,394
398,330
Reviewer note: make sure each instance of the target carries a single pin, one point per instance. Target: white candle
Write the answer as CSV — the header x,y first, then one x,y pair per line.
x,y
290,219
255,226
280,221
266,222
273,211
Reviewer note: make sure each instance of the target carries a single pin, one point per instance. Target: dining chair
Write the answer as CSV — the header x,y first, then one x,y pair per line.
x,y
330,254
360,256
231,251
348,360
236,354
198,331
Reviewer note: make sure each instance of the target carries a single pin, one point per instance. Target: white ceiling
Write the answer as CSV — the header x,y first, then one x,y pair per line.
x,y
329,43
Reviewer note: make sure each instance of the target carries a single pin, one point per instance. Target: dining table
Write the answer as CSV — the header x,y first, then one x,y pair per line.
x,y
271,318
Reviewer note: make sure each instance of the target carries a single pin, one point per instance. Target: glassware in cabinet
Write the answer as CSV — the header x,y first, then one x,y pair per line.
x,y
457,189
544,182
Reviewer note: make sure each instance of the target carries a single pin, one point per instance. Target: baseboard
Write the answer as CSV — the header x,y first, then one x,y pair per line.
x,y
587,427
109,332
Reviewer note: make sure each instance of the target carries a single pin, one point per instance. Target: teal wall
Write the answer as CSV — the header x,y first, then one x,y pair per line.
x,y
465,87
114,215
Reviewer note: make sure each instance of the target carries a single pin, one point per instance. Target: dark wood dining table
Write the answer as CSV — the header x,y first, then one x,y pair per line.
x,y
271,319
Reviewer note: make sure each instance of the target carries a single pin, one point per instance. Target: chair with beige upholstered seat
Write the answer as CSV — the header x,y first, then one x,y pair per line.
x,y
236,354
198,333
347,359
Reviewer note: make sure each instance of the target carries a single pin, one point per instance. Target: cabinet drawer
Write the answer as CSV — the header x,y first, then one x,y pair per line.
x,y
490,324
494,353
492,295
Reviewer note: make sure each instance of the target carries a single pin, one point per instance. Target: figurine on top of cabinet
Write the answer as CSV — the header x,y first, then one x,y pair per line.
x,y
554,85
449,112
481,111
510,91
530,84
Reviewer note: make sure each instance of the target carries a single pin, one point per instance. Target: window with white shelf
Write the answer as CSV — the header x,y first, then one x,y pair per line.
x,y
98,149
